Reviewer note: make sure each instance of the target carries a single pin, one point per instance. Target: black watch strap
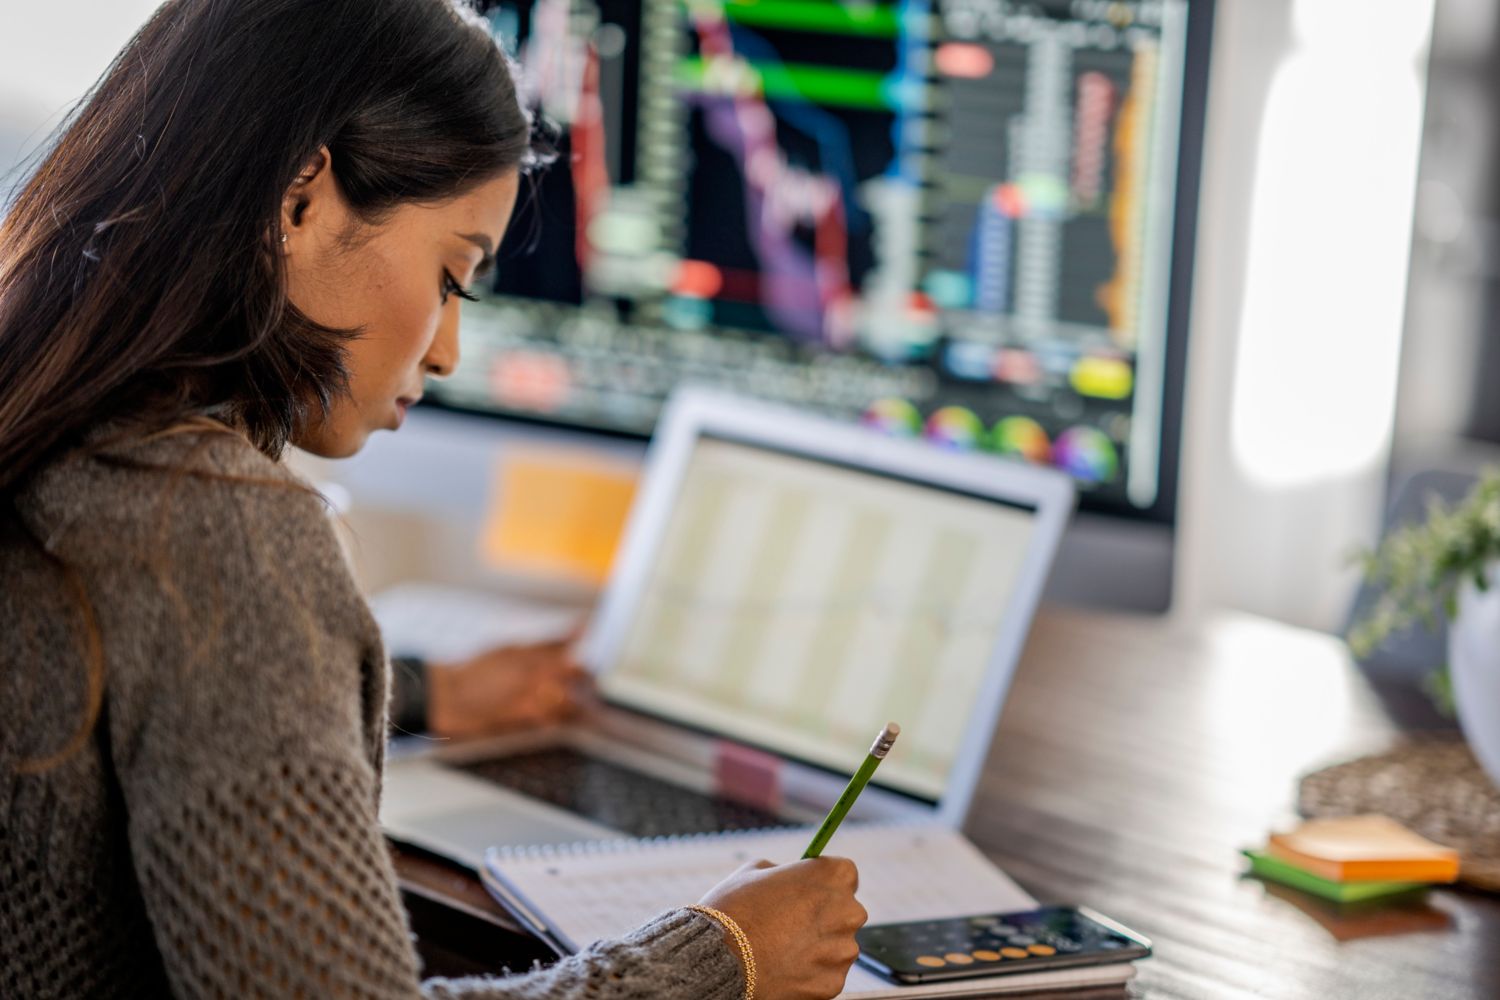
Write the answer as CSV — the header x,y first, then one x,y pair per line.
x,y
409,694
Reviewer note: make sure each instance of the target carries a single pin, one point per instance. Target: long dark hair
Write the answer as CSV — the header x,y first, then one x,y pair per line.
x,y
138,272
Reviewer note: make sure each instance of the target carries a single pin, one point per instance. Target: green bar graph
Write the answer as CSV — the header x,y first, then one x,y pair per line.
x,y
868,19
790,81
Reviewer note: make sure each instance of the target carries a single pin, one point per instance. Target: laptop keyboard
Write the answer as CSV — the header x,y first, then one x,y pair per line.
x,y
615,796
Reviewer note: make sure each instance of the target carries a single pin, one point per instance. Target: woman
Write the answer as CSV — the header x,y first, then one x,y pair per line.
x,y
257,232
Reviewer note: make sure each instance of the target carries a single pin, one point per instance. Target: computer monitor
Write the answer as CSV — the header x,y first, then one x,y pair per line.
x,y
969,221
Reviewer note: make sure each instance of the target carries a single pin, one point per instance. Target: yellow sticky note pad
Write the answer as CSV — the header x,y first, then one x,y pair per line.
x,y
557,516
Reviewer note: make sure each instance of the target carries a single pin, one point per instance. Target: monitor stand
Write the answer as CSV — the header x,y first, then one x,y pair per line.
x,y
1114,564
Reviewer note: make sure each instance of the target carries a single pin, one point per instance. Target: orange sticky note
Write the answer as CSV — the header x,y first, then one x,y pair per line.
x,y
557,516
1364,849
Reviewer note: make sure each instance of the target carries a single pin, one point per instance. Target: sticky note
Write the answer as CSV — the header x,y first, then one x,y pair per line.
x,y
559,516
1364,848
1269,867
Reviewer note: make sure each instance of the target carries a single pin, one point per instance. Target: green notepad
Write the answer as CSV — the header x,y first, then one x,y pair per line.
x,y
1265,866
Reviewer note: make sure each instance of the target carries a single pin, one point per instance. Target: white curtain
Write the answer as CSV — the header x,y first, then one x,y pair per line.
x,y
1315,122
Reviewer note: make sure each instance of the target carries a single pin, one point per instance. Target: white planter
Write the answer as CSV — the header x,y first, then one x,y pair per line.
x,y
1474,661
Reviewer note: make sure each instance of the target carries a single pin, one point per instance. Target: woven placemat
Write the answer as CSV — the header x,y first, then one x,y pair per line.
x,y
1433,786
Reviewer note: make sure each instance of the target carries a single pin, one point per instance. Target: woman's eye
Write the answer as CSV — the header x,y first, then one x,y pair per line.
x,y
452,287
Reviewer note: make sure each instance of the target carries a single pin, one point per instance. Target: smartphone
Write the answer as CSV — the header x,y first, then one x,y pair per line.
x,y
1054,937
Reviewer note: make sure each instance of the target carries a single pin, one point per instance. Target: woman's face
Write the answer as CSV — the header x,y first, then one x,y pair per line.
x,y
400,284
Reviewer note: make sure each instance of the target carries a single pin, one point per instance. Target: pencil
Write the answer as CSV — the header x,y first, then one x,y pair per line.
x,y
881,747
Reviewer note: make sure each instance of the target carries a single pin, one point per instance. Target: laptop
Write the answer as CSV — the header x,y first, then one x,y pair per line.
x,y
786,585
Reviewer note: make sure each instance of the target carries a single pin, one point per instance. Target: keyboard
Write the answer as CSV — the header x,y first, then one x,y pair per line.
x,y
628,800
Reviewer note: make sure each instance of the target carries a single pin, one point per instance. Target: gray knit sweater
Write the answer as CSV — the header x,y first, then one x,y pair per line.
x,y
215,833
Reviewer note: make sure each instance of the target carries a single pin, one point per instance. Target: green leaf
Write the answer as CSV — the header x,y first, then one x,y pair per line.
x,y
1439,687
1417,568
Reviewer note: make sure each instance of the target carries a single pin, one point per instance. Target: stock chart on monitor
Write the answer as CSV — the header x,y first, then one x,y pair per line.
x,y
949,219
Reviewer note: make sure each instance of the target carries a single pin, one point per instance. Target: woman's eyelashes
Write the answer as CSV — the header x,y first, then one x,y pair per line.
x,y
452,287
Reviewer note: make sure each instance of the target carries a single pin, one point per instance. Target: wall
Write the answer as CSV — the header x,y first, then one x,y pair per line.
x,y
1450,362
50,54
1453,251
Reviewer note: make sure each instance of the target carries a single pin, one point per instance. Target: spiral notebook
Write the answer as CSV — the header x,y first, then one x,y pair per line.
x,y
574,894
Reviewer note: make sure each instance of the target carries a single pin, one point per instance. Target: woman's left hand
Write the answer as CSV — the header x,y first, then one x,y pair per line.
x,y
513,687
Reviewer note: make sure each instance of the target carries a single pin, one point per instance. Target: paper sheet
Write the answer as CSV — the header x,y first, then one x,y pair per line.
x,y
589,892
443,623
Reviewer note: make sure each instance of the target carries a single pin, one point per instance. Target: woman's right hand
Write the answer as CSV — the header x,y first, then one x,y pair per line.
x,y
800,919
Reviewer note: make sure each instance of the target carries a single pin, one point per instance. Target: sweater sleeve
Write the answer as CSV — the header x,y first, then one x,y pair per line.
x,y
246,694
276,883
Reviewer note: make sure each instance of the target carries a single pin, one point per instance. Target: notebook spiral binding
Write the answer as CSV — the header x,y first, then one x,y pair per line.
x,y
639,845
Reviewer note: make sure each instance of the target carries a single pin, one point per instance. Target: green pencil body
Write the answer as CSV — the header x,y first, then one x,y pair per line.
x,y
851,791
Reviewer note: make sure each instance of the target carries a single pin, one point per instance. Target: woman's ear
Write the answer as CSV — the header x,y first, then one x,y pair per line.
x,y
311,204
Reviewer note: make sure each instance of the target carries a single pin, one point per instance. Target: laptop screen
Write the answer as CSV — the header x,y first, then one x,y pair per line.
x,y
798,605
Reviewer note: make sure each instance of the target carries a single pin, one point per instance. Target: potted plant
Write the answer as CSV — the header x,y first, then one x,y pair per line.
x,y
1448,564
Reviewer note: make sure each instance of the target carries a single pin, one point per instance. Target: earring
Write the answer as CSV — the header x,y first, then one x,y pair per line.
x,y
283,239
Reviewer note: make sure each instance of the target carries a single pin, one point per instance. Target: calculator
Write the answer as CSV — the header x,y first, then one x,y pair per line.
x,y
1054,937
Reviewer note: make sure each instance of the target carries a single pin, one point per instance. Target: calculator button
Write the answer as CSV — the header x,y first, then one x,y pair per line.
x,y
1004,929
959,958
1042,949
1015,953
1023,940
931,961
985,955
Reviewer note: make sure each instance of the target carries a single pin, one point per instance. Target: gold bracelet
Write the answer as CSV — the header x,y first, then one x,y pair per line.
x,y
746,955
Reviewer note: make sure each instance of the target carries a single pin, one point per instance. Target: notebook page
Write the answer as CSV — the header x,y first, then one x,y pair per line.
x,y
588,892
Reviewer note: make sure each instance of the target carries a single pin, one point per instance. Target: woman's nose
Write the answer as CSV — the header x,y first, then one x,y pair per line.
x,y
442,356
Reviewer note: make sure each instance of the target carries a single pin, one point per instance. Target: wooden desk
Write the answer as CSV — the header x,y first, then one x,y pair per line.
x,y
1132,761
